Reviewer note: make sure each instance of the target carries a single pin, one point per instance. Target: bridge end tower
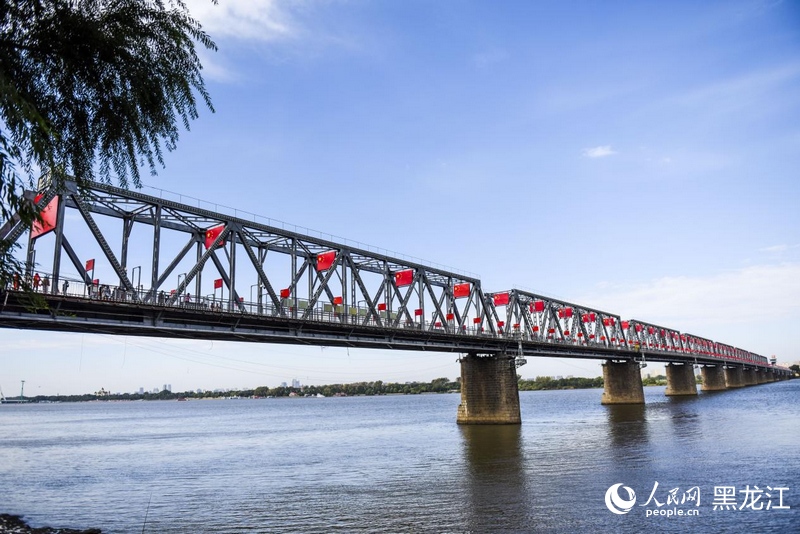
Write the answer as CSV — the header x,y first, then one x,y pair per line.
x,y
622,383
489,392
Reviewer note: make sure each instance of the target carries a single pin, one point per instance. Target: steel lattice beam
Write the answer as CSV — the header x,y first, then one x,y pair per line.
x,y
353,296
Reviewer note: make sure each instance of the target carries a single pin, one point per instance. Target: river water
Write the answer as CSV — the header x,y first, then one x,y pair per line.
x,y
401,464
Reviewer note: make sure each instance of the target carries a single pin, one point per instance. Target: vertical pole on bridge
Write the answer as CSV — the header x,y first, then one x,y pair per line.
x,y
489,392
622,383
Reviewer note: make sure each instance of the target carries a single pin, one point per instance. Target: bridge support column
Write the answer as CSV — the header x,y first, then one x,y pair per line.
x,y
489,394
680,380
749,376
622,383
734,377
713,378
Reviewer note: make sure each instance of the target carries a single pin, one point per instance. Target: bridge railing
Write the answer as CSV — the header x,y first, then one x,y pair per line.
x,y
73,288
641,337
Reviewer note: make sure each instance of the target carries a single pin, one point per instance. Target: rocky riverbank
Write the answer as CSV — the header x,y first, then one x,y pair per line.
x,y
14,524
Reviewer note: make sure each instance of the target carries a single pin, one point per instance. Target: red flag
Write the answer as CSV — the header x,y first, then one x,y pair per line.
x,y
404,278
337,300
96,282
418,312
325,260
461,290
625,325
537,306
89,265
212,234
501,299
286,293
382,306
218,283
451,316
49,214
476,320
501,324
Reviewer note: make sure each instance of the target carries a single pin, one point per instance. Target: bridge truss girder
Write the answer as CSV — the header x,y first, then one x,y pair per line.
x,y
309,291
356,276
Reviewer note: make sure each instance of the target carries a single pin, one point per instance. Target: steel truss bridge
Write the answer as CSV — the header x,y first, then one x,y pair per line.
x,y
308,290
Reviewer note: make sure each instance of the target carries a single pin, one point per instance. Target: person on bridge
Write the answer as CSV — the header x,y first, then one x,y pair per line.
x,y
36,281
64,287
46,284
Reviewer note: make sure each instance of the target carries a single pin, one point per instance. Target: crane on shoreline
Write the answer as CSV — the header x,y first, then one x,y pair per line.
x,y
4,400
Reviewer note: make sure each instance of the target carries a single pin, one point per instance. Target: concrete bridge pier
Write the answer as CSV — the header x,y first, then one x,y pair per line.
x,y
734,377
680,380
489,393
749,376
713,378
622,383
760,376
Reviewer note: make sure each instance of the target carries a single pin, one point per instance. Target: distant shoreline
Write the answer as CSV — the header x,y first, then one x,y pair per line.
x,y
357,389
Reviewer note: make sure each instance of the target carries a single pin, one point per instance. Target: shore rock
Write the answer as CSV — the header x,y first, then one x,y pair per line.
x,y
14,524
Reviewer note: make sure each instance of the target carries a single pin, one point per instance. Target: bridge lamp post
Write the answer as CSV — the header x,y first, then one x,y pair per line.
x,y
358,307
258,285
179,280
138,275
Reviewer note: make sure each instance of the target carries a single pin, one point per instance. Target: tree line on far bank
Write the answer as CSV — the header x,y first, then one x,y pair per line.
x,y
378,387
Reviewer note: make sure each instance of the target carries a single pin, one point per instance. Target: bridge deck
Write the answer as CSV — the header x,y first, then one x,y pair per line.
x,y
192,321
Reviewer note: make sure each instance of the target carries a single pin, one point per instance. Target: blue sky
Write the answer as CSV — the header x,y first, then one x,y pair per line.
x,y
638,157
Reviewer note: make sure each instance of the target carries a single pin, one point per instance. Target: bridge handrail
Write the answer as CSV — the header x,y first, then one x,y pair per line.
x,y
77,289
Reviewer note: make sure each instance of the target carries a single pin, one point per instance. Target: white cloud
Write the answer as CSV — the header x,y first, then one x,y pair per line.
x,y
779,248
489,57
754,307
261,20
759,90
598,151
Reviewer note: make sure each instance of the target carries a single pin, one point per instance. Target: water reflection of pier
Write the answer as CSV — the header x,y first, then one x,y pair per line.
x,y
495,479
